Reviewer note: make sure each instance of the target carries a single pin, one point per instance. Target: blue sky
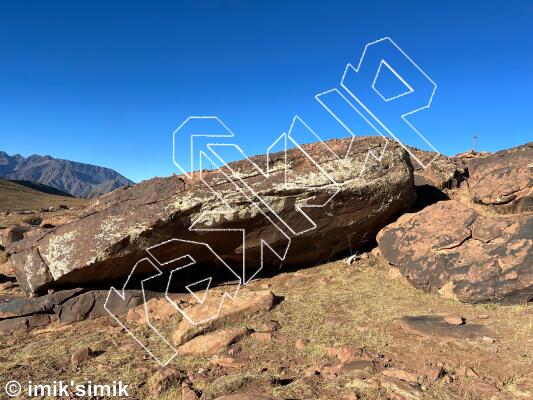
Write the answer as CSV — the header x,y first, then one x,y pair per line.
x,y
106,82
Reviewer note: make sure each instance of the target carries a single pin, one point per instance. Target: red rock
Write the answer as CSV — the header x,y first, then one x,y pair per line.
x,y
432,372
485,387
158,309
451,249
80,356
247,303
188,394
301,343
164,379
454,319
230,362
400,374
502,181
212,343
349,353
406,389
269,326
263,336
103,243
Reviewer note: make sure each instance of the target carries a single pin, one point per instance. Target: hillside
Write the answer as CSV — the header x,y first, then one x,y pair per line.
x,y
16,197
78,179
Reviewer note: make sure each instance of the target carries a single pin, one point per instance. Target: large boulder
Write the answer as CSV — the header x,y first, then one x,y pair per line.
x,y
503,181
103,244
440,172
454,250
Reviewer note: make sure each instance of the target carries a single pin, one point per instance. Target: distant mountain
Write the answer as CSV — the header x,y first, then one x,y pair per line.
x,y
80,180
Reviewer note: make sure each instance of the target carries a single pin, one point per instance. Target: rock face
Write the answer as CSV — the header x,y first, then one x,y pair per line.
x,y
105,242
20,314
454,250
442,172
503,181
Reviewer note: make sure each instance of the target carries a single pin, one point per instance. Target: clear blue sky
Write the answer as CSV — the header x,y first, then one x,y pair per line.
x,y
106,82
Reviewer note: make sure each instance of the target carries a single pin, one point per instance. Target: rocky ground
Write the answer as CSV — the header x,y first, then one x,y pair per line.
x,y
338,334
435,304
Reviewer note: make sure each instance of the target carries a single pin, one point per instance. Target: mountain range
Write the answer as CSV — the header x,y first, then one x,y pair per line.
x,y
77,179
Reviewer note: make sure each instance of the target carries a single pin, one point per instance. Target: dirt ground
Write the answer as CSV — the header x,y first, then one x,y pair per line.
x,y
327,306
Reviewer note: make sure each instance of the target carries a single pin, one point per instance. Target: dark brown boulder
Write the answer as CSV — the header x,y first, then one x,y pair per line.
x,y
21,314
452,249
103,244
11,306
441,172
503,181
24,324
91,305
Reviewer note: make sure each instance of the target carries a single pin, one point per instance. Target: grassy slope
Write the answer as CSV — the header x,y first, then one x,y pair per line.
x,y
15,197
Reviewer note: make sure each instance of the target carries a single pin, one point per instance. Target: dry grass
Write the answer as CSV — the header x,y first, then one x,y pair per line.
x,y
363,292
14,197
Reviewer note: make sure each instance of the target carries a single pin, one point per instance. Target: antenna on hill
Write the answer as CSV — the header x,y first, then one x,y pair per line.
x,y
474,139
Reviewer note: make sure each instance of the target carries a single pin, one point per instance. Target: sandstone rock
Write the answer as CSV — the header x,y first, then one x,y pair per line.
x,y
451,249
263,336
433,373
331,371
301,343
485,387
406,389
158,309
230,362
503,181
466,371
400,374
212,343
441,172
188,394
435,327
80,356
164,379
454,319
104,243
269,326
247,302
346,353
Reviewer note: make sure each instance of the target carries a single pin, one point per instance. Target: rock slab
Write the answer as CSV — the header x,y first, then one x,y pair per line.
x,y
452,249
105,242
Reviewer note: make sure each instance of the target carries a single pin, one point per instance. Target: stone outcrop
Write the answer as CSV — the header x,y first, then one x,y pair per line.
x,y
21,314
441,172
503,181
245,303
454,250
104,243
